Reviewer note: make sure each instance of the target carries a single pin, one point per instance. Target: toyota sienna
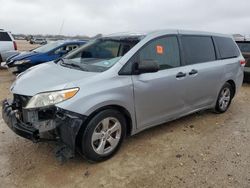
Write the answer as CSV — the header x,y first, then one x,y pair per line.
x,y
121,84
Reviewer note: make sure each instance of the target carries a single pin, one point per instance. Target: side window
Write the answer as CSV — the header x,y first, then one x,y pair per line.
x,y
4,36
198,49
227,47
59,50
163,50
127,68
71,47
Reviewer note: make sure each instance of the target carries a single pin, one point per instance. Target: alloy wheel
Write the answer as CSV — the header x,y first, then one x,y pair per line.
x,y
225,97
106,136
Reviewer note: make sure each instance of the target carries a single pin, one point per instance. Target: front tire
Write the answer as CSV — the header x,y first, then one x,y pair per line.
x,y
224,99
103,135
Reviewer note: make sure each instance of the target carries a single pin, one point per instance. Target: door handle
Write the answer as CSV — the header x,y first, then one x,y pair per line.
x,y
180,75
193,71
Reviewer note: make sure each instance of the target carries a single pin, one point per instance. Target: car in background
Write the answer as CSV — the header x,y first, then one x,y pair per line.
x,y
38,41
19,37
7,43
48,52
8,54
245,50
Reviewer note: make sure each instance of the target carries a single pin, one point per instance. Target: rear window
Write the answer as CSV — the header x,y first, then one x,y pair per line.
x,y
226,47
198,49
4,36
244,46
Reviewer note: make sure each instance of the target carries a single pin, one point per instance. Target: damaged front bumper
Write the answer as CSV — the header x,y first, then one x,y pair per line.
x,y
9,116
33,124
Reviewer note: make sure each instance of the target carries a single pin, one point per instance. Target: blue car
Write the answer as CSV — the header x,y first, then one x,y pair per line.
x,y
49,52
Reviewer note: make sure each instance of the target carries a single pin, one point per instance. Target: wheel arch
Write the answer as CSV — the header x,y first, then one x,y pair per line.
x,y
232,83
121,109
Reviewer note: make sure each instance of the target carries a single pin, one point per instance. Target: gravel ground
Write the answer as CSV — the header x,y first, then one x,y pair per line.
x,y
200,150
23,45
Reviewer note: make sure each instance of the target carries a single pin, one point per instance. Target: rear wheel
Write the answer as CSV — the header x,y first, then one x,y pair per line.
x,y
103,135
224,98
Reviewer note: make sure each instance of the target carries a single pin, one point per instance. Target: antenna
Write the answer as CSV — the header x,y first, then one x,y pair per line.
x,y
60,31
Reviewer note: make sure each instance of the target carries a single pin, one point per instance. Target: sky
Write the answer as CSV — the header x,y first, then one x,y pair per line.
x,y
90,17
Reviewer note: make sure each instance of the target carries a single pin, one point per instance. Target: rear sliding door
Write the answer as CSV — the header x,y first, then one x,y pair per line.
x,y
204,72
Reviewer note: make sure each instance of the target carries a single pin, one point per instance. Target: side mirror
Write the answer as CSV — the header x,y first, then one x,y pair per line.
x,y
146,66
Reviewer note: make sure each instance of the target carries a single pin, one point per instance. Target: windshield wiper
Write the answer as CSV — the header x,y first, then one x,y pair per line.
x,y
59,59
73,65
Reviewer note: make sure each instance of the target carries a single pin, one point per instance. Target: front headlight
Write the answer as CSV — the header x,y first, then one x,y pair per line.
x,y
21,62
51,98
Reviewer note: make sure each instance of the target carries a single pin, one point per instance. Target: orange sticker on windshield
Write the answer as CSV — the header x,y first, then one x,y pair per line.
x,y
159,49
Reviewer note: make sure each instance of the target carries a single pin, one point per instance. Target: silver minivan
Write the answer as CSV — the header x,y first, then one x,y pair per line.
x,y
121,84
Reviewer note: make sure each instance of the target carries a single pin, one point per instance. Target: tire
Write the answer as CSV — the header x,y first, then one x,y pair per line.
x,y
96,140
224,98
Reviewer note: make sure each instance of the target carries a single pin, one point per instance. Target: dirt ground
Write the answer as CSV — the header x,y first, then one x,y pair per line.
x,y
23,45
200,150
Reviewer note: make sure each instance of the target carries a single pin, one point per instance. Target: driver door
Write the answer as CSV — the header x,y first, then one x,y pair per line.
x,y
160,96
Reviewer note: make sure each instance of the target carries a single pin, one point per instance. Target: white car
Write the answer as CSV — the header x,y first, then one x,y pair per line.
x,y
7,43
38,41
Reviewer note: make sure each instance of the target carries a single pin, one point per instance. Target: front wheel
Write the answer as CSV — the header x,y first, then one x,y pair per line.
x,y
103,135
224,99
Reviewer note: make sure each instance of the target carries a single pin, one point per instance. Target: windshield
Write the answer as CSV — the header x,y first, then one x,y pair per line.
x,y
47,47
244,47
101,54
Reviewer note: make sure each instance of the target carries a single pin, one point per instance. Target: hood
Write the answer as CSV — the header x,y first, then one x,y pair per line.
x,y
47,77
23,55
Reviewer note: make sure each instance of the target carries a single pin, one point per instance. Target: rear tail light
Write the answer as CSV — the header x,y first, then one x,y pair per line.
x,y
242,62
15,46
